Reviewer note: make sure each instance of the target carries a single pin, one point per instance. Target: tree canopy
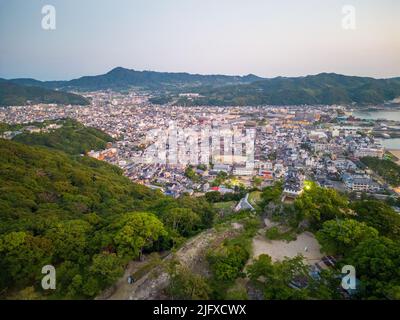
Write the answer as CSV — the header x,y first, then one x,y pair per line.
x,y
321,204
340,236
82,216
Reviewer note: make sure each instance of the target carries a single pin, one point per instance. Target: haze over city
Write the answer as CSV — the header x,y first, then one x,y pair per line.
x,y
266,38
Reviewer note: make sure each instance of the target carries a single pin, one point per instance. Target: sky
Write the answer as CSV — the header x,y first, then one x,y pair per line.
x,y
265,37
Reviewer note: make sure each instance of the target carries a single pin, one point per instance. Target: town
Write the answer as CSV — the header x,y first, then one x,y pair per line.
x,y
194,150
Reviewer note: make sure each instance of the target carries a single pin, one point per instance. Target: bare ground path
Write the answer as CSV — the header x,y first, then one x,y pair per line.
x,y
151,285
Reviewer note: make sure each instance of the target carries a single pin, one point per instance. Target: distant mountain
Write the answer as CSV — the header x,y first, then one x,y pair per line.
x,y
12,94
324,88
121,78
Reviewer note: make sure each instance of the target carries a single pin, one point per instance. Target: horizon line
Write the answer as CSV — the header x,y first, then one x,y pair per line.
x,y
206,74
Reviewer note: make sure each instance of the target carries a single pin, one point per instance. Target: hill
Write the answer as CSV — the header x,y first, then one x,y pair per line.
x,y
121,78
324,88
12,94
72,138
83,217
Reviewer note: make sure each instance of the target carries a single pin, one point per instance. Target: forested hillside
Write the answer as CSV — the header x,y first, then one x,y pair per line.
x,y
12,94
73,137
122,78
324,88
82,216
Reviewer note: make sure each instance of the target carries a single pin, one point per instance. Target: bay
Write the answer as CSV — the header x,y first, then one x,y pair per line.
x,y
393,143
375,115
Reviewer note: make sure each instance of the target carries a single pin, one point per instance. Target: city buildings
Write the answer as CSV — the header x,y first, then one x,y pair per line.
x,y
154,144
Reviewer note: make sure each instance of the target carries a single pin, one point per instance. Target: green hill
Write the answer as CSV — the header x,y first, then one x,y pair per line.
x,y
324,88
121,78
82,216
12,94
72,137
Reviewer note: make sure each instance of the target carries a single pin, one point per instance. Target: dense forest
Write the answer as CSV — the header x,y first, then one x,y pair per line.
x,y
122,78
324,88
82,216
88,220
73,137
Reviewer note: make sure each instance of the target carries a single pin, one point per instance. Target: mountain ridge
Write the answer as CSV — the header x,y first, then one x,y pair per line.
x,y
123,78
217,89
12,94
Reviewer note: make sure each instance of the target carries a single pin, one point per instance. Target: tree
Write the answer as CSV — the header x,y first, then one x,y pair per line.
x,y
379,215
191,174
387,169
321,204
227,262
182,220
222,175
69,212
220,179
271,194
75,287
202,167
257,181
70,239
135,231
186,285
377,262
261,266
213,196
199,206
107,267
91,286
340,236
274,278
22,257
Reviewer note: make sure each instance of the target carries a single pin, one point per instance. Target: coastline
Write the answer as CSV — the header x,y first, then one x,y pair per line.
x,y
396,154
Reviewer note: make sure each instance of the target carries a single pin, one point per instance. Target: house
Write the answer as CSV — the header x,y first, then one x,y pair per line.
x,y
243,171
222,189
360,183
369,152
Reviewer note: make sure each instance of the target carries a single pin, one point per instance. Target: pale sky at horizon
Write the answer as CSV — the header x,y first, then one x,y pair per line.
x,y
264,37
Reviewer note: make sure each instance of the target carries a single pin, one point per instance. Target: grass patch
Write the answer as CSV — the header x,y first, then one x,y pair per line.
x,y
224,208
236,217
255,198
274,233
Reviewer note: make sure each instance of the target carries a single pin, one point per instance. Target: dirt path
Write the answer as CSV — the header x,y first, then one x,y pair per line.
x,y
121,288
151,285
